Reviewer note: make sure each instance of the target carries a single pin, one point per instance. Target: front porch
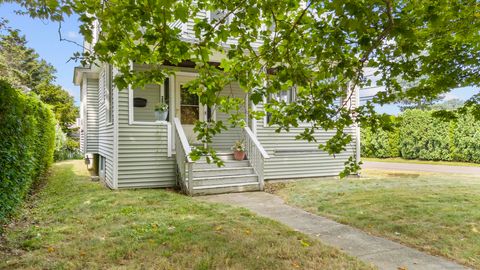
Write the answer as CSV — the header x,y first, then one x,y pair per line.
x,y
202,178
162,147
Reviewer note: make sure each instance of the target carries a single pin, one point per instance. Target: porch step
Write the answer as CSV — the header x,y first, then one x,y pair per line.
x,y
217,189
225,180
222,171
234,176
225,156
202,164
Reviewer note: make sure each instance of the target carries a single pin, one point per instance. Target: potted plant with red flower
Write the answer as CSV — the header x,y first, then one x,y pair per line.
x,y
239,150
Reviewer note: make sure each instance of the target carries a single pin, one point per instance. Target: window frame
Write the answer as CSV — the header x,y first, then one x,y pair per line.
x,y
292,96
102,167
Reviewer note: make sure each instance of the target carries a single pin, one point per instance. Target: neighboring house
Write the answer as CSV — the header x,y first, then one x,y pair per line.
x,y
120,135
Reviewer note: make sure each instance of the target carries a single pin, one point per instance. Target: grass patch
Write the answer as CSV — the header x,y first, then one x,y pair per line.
x,y
74,223
416,161
436,213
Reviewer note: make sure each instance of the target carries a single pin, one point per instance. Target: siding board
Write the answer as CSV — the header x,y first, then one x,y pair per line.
x,y
106,143
92,116
291,158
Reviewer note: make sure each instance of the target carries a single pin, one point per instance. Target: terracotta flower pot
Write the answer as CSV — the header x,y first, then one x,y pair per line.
x,y
239,155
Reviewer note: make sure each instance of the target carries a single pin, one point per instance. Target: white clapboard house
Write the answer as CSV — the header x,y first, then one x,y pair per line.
x,y
120,136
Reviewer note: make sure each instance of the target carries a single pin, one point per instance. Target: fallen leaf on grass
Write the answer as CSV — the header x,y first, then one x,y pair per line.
x,y
304,243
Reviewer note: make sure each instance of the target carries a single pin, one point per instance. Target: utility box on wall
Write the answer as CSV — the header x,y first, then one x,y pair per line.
x,y
91,160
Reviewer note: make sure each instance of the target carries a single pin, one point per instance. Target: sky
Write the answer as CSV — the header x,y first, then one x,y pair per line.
x,y
462,93
43,37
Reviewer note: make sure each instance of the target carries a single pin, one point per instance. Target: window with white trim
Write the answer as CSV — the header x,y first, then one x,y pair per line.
x,y
287,96
145,99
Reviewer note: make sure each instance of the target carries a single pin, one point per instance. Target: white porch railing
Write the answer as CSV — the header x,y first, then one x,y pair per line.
x,y
182,155
255,153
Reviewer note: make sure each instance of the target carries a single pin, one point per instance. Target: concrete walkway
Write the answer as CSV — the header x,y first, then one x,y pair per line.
x,y
420,167
383,253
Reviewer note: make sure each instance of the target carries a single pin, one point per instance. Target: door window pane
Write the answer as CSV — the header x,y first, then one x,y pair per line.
x,y
189,107
190,114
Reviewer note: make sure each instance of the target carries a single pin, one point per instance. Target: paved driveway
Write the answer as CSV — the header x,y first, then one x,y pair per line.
x,y
420,167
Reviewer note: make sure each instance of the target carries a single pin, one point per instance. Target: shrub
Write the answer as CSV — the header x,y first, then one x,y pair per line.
x,y
465,139
419,135
70,149
379,143
27,132
423,136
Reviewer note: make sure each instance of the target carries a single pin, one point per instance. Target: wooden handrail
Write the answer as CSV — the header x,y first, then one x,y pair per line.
x,y
183,139
256,142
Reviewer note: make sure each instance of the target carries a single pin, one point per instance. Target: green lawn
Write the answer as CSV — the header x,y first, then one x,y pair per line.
x,y
77,224
436,213
416,161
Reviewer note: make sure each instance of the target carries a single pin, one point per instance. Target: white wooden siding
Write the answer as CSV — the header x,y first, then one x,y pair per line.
x,y
142,152
188,32
105,131
291,158
187,29
91,116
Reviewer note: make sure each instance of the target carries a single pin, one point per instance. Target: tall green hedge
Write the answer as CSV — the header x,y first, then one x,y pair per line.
x,y
465,139
419,135
380,143
27,142
424,137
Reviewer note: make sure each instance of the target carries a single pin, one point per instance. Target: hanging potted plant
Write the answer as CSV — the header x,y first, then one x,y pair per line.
x,y
161,111
239,150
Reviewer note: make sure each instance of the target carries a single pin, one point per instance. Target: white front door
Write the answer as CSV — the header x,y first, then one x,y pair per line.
x,y
187,108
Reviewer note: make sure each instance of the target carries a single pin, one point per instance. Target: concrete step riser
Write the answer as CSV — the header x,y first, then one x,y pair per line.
x,y
223,172
254,187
